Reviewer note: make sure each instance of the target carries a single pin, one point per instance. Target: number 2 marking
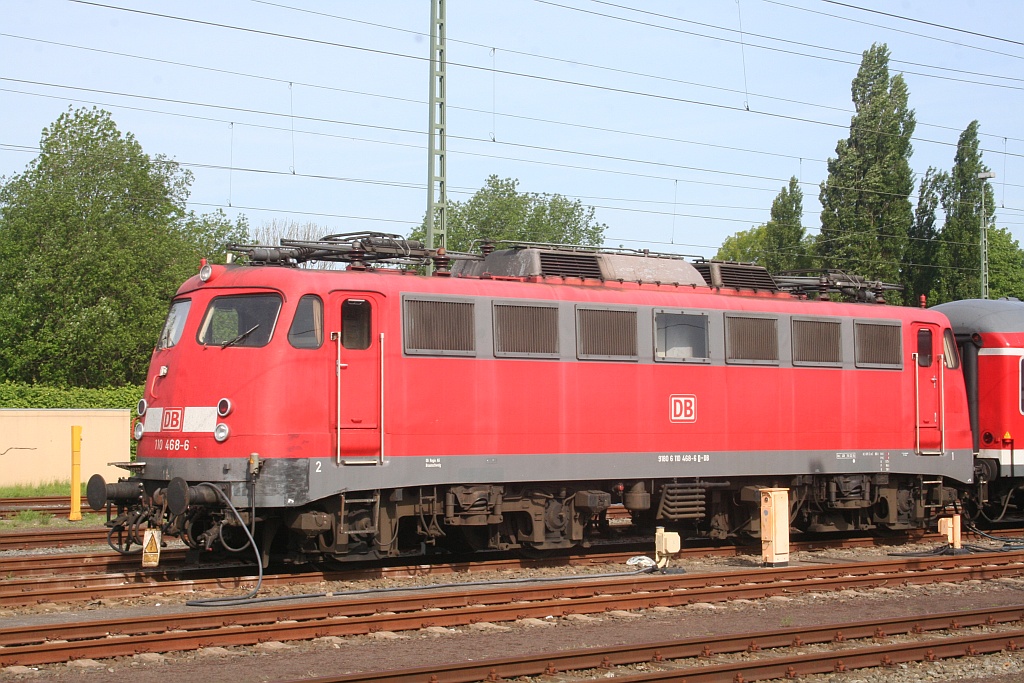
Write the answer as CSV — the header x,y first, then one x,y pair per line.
x,y
319,467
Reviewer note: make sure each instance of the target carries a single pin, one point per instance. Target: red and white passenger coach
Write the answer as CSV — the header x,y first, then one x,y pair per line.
x,y
509,402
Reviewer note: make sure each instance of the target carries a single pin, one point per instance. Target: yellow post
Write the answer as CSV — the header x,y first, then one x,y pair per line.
x,y
76,475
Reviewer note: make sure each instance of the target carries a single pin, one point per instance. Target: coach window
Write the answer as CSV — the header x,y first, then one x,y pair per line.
x,y
355,324
240,320
680,337
952,358
175,324
307,330
1022,386
924,347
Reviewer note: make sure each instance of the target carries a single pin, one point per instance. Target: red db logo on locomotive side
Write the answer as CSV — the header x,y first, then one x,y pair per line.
x,y
684,408
173,417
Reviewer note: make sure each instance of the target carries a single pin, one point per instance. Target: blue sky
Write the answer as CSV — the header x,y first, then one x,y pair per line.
x,y
679,128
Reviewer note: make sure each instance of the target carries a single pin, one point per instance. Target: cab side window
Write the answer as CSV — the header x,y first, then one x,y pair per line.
x,y
307,330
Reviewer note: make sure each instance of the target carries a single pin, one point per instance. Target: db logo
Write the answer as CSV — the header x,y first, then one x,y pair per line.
x,y
172,420
684,408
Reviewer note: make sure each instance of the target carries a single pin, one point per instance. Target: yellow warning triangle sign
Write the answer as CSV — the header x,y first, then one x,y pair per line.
x,y
151,545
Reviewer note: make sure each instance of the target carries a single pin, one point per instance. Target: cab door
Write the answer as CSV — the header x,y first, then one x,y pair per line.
x,y
928,388
357,398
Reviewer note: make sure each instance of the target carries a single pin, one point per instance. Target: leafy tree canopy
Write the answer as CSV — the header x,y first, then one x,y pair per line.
x,y
94,240
747,246
499,212
866,208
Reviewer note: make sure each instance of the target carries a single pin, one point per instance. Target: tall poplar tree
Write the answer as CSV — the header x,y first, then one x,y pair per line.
x,y
784,232
921,272
960,251
866,197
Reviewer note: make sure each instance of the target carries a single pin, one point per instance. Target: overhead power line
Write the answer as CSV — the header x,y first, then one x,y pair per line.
x,y
926,23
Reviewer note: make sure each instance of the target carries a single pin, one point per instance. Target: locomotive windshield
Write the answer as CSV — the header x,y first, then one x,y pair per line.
x,y
175,323
241,320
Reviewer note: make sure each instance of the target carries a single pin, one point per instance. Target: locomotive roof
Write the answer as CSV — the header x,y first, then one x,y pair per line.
x,y
984,315
532,261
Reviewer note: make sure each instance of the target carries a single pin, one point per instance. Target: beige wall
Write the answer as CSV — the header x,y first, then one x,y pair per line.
x,y
40,444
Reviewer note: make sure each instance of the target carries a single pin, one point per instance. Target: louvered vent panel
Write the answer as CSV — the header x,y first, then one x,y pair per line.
x,y
751,339
877,344
439,326
525,330
606,334
570,264
746,276
704,268
817,341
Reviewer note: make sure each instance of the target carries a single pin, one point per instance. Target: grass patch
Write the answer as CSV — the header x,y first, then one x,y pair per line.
x,y
53,488
33,519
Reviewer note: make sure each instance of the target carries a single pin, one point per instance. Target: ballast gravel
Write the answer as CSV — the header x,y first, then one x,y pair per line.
x,y
438,645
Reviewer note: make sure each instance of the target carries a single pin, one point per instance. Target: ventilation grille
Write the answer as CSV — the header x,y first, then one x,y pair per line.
x,y
817,341
751,339
877,345
439,327
736,275
606,334
570,265
525,330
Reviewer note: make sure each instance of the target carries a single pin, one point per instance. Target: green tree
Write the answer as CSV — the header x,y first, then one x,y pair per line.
x,y
961,234
499,212
784,232
866,209
921,273
747,246
94,240
1005,264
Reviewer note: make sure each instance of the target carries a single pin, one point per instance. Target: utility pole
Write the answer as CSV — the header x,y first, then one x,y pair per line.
x,y
984,233
437,199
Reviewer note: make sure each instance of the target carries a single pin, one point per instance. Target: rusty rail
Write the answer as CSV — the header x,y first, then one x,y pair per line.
x,y
415,609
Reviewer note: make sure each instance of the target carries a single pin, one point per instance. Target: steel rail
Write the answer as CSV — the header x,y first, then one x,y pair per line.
x,y
52,538
15,592
761,667
348,615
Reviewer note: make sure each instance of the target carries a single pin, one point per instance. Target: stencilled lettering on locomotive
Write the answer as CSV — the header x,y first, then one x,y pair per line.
x,y
683,408
172,445
684,457
433,462
846,455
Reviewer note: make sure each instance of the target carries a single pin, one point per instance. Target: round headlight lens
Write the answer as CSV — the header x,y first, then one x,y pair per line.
x,y
141,408
139,431
221,432
205,272
224,407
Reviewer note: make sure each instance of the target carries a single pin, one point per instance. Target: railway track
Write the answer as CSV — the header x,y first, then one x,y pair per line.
x,y
849,646
359,613
30,538
90,576
9,507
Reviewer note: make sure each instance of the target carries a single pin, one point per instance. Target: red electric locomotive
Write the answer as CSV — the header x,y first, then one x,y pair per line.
x,y
509,402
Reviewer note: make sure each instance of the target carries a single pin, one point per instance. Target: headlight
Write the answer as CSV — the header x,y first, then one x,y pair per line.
x,y
205,272
221,432
139,431
141,408
224,407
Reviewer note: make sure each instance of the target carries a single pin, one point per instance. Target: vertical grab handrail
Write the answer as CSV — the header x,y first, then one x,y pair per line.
x,y
917,404
338,367
380,459
942,404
